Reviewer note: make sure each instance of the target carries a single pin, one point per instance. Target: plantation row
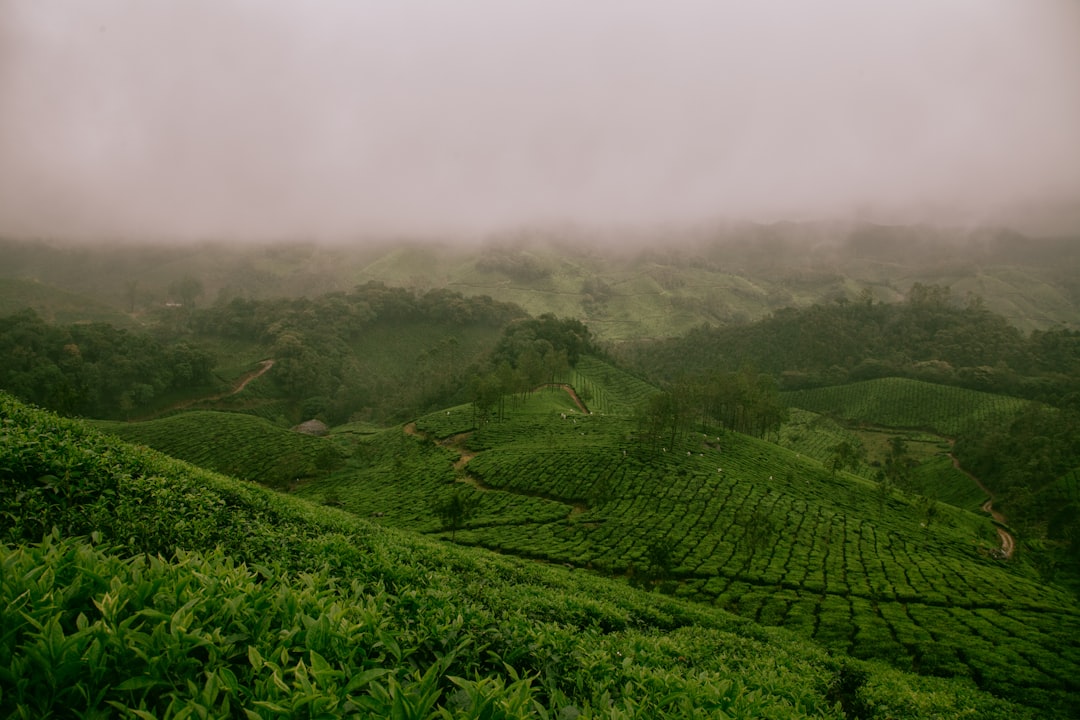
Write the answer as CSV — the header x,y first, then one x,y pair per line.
x,y
239,445
900,402
708,523
610,389
774,537
815,435
399,481
912,600
259,605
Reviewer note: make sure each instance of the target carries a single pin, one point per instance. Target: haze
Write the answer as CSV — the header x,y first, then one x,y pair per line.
x,y
231,119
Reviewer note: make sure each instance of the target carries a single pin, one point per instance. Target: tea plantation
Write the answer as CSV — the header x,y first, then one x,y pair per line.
x,y
138,586
737,523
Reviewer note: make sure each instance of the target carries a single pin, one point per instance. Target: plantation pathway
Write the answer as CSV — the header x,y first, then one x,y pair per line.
x,y
238,387
569,391
1008,542
457,442
454,442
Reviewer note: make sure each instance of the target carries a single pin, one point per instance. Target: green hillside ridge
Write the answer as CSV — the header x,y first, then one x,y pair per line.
x,y
163,590
233,444
624,289
57,305
906,403
934,475
729,521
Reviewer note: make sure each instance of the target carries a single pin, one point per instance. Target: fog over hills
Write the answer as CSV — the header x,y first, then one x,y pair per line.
x,y
344,120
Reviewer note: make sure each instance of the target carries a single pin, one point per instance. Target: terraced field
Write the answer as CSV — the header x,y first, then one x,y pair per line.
x,y
814,435
136,585
234,444
905,403
723,519
745,525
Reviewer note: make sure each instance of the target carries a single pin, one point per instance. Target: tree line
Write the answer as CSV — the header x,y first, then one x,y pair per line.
x,y
932,336
743,401
531,352
96,369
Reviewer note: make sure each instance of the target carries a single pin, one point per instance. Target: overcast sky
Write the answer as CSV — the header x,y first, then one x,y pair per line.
x,y
231,118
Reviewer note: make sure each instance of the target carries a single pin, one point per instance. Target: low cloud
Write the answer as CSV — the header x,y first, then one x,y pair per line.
x,y
245,119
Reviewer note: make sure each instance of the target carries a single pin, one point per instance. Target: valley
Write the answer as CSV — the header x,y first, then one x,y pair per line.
x,y
780,508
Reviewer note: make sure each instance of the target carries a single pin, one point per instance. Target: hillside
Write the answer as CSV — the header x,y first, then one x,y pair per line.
x,y
233,444
907,403
658,282
160,589
56,305
728,521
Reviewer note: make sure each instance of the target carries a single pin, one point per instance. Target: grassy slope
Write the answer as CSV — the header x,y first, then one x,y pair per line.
x,y
58,306
924,414
239,445
905,403
682,283
328,615
814,435
838,562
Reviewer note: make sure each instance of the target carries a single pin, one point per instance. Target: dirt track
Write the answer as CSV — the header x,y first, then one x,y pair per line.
x,y
1008,542
237,387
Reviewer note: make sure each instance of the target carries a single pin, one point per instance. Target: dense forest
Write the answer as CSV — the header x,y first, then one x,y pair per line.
x,y
330,360
1031,464
95,370
932,336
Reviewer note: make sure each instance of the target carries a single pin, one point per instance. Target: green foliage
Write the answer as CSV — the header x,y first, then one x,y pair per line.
x,y
930,338
455,510
338,355
846,454
95,370
245,447
775,537
543,335
258,605
905,403
1030,465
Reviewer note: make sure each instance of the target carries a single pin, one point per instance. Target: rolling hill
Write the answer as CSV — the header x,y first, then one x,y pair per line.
x,y
658,282
907,403
733,522
234,444
139,586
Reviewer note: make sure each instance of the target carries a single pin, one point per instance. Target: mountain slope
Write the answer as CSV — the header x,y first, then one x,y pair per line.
x,y
330,615
730,521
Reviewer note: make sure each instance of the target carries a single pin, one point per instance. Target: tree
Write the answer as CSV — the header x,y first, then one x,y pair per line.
x,y
759,530
928,508
884,490
187,290
898,464
455,510
845,454
485,392
661,419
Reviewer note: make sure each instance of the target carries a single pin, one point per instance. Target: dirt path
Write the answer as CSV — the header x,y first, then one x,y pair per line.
x,y
238,387
569,391
454,442
1008,542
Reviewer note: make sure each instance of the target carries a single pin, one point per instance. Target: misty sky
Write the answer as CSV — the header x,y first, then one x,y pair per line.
x,y
266,119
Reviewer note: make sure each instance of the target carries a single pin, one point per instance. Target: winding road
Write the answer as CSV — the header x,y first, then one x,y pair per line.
x,y
1008,542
